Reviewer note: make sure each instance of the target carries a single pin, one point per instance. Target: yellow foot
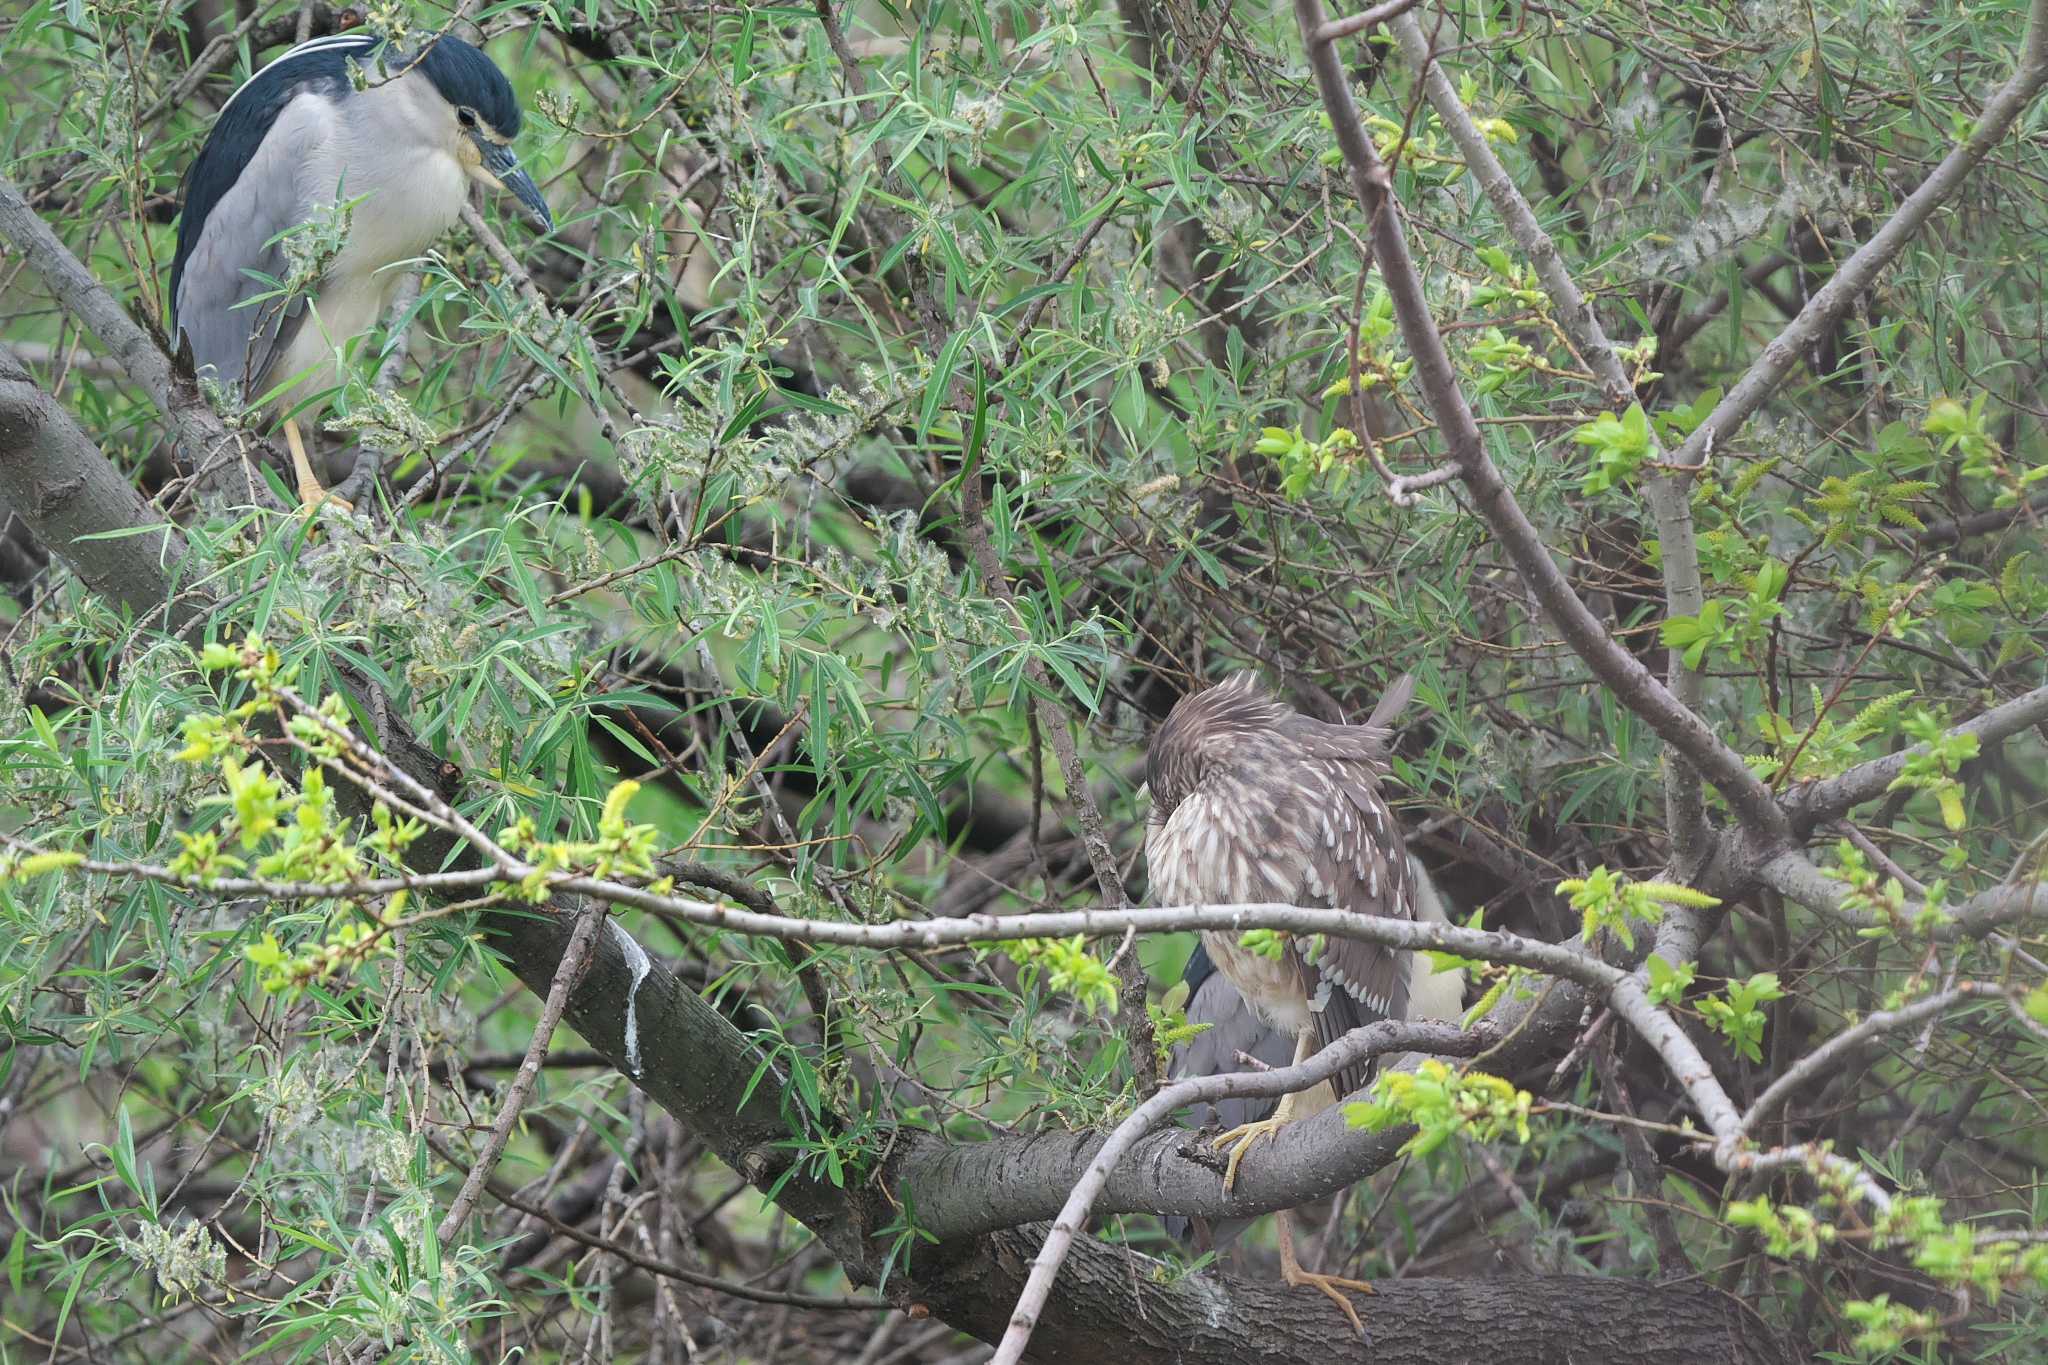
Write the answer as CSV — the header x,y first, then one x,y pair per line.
x,y
312,495
1244,1136
1334,1286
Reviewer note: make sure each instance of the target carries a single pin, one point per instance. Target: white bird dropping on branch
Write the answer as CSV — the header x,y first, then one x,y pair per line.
x,y
637,959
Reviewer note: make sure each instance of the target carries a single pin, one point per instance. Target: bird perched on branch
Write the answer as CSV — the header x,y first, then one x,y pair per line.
x,y
382,142
1253,801
1233,1038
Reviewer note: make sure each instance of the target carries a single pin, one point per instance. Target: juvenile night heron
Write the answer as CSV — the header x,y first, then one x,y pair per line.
x,y
1233,1038
297,141
1253,801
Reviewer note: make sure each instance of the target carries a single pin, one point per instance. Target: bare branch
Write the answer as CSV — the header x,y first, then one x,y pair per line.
x,y
513,1102
1373,1040
1334,29
1844,1045
1834,299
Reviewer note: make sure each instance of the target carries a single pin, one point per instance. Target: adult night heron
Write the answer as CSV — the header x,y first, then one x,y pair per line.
x,y
348,124
1253,801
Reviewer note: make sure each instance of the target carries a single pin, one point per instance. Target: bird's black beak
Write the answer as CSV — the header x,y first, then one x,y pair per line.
x,y
503,164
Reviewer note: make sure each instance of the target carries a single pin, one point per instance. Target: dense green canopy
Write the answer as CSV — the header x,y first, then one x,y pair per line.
x,y
790,556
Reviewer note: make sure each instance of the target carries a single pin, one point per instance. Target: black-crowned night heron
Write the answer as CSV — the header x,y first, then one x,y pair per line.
x,y
299,140
1253,801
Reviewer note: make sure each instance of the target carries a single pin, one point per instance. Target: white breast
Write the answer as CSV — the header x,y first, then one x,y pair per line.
x,y
405,195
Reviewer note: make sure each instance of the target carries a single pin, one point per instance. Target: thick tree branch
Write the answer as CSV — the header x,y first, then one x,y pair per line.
x,y
1109,1309
1374,1040
65,489
1816,803
176,395
1795,875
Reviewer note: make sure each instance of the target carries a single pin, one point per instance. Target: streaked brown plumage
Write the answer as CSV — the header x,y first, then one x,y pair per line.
x,y
1253,801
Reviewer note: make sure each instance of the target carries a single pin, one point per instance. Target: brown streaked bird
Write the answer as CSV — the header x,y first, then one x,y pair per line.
x,y
1253,801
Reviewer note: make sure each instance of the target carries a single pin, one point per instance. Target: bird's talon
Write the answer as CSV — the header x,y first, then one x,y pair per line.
x,y
1245,1135
1334,1286
311,500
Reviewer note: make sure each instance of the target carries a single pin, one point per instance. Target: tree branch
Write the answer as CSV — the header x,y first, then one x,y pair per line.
x,y
1670,502
1110,1308
1621,671
1815,803
177,396
1795,875
513,1102
63,487
1373,1040
1834,299
1843,1046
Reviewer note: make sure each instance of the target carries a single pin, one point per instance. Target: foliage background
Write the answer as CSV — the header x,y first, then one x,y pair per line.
x,y
678,495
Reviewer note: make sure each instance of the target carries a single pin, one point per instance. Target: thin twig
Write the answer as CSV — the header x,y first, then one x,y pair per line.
x,y
1844,1044
514,1099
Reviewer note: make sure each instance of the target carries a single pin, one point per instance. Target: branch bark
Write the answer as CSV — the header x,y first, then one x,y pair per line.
x,y
1668,495
176,395
1816,803
1105,1312
66,491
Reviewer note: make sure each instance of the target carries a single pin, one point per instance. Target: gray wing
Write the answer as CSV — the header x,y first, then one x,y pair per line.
x,y
1356,862
1233,1029
237,338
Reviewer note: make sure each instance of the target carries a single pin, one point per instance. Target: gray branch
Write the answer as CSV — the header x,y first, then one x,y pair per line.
x,y
1816,803
1637,688
1668,496
63,487
1833,299
1983,914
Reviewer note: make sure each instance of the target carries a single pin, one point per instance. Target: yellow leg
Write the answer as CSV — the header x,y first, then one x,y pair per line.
x,y
311,494
1245,1136
1332,1285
